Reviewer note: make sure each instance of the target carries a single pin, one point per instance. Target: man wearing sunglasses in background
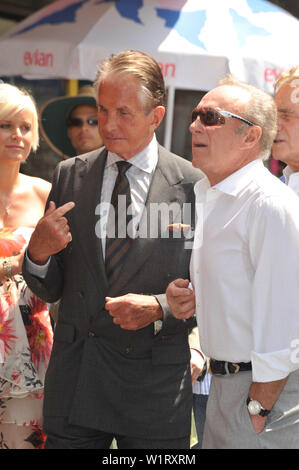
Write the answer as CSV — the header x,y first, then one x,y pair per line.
x,y
244,273
286,143
69,124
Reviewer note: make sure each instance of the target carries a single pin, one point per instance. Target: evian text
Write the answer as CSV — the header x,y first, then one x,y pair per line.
x,y
38,58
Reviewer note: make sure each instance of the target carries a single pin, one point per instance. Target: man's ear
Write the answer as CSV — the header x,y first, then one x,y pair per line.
x,y
158,115
252,136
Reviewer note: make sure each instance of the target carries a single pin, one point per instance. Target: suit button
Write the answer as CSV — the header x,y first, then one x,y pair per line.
x,y
91,334
128,349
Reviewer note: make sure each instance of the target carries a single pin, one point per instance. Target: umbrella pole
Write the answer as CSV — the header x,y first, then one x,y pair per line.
x,y
169,117
71,87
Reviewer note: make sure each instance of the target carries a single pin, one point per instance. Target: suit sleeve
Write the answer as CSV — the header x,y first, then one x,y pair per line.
x,y
169,321
50,287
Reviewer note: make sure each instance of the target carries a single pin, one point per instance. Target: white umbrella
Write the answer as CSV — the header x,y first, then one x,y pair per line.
x,y
195,41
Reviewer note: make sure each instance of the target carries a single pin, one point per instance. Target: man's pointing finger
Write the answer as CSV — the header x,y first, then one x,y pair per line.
x,y
62,210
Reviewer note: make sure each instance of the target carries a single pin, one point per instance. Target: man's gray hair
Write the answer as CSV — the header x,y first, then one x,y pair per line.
x,y
140,66
286,78
261,110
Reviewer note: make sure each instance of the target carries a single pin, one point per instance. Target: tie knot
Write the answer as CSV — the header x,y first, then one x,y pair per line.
x,y
123,166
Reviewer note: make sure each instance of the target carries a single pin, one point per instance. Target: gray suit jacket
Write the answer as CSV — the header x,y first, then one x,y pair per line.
x,y
100,375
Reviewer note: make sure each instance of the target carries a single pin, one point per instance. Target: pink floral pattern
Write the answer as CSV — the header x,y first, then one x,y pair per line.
x,y
25,346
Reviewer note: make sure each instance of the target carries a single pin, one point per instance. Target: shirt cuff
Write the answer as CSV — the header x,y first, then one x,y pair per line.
x,y
276,365
36,269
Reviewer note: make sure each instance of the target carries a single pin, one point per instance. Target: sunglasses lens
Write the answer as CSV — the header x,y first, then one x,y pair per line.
x,y
78,122
207,118
74,122
92,121
194,115
210,118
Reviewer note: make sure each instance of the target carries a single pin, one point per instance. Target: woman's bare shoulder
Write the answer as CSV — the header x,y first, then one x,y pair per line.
x,y
39,186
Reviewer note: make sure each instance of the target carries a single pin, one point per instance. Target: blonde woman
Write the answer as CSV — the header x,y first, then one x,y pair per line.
x,y
25,328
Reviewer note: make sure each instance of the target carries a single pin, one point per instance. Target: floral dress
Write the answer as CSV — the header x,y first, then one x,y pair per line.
x,y
25,345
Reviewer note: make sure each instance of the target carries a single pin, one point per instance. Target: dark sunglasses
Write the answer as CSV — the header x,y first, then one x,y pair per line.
x,y
78,122
211,117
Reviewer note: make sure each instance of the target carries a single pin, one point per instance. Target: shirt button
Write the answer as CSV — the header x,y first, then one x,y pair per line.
x,y
128,349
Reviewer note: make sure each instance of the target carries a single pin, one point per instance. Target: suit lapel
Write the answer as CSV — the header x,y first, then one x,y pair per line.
x,y
162,189
88,179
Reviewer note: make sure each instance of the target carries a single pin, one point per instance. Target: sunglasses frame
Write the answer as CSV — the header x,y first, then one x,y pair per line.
x,y
221,114
92,122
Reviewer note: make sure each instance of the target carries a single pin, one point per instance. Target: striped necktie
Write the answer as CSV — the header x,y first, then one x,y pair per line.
x,y
117,239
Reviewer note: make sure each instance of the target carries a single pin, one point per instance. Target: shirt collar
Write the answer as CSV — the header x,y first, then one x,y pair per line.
x,y
237,181
234,183
146,160
287,173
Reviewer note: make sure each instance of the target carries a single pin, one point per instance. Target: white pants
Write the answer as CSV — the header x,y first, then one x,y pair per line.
x,y
228,425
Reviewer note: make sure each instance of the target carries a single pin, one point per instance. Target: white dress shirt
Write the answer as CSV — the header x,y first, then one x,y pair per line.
x,y
245,271
139,176
292,179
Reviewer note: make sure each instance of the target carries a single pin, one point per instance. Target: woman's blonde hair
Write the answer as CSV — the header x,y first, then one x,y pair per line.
x,y
14,100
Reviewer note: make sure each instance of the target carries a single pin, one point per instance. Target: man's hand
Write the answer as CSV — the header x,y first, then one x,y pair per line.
x,y
197,363
181,299
258,423
51,233
266,393
134,311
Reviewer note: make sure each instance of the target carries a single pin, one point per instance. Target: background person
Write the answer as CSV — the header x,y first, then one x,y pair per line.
x,y
121,362
286,143
245,273
201,380
25,329
69,124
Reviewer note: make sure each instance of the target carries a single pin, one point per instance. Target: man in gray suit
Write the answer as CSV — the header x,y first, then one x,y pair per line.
x,y
120,362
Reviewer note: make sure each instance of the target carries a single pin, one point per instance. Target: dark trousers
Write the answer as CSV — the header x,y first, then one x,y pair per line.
x,y
199,409
63,435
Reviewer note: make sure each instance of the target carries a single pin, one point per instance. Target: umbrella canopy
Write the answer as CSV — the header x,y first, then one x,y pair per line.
x,y
195,41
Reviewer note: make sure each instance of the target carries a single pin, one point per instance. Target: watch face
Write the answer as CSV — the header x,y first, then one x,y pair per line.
x,y
254,407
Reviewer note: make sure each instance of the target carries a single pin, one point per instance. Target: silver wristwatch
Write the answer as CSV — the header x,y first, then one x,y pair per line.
x,y
255,408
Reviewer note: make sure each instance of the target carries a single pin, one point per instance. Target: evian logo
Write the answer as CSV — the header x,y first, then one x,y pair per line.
x,y
271,74
38,58
168,69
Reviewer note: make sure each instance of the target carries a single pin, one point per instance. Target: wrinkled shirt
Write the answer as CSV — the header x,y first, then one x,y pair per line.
x,y
245,271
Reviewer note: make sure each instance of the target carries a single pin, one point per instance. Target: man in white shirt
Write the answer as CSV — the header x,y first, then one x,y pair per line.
x,y
286,143
244,272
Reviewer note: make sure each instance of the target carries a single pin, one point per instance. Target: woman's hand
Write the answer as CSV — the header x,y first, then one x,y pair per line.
x,y
13,267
